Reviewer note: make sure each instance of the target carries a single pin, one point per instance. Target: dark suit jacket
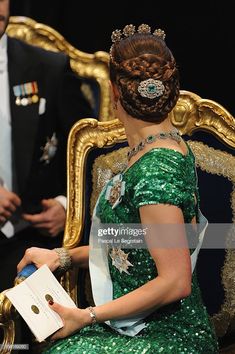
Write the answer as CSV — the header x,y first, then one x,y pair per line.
x,y
57,84
33,179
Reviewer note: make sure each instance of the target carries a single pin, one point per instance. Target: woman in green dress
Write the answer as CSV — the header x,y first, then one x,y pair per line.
x,y
147,299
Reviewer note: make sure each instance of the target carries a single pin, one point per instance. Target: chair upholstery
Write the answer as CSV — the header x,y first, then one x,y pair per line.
x,y
97,150
92,68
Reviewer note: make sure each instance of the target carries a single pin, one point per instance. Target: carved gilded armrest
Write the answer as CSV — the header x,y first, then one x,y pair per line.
x,y
7,324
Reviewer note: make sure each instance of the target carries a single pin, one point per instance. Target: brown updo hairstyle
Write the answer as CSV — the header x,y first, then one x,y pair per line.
x,y
139,57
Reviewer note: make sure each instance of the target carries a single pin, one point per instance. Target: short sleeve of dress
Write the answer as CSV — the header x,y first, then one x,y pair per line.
x,y
160,179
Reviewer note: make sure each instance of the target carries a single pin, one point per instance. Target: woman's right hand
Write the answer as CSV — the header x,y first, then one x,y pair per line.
x,y
39,257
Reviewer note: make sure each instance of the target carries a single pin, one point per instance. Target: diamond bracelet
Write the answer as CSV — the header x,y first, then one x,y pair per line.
x,y
64,259
92,315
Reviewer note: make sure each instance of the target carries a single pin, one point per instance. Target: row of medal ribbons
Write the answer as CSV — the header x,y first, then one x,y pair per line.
x,y
26,94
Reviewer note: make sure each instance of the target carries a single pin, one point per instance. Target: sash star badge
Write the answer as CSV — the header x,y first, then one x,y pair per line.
x,y
116,191
49,149
119,260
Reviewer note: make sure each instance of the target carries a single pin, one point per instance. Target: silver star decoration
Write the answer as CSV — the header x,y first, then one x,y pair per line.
x,y
49,149
119,260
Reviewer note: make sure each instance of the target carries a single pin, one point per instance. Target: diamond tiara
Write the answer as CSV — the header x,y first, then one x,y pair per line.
x,y
130,30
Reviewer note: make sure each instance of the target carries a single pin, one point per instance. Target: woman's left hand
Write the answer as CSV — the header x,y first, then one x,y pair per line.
x,y
74,319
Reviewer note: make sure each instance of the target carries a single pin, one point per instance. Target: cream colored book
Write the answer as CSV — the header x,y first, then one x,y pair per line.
x,y
30,298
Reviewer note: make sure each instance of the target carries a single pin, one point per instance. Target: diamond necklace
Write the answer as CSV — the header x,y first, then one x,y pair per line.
x,y
173,134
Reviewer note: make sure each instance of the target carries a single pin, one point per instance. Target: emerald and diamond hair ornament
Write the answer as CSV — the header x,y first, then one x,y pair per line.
x,y
151,88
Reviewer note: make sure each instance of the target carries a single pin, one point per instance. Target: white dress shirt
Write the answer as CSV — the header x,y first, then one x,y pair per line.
x,y
5,118
5,129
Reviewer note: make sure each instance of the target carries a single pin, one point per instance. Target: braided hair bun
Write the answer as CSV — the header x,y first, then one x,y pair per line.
x,y
135,59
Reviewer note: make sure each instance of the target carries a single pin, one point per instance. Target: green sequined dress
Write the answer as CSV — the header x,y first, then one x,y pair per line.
x,y
160,176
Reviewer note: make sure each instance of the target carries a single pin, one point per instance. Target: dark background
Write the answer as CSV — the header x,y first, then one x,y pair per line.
x,y
200,34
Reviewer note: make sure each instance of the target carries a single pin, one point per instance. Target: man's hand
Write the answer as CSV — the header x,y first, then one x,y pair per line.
x,y
9,201
51,219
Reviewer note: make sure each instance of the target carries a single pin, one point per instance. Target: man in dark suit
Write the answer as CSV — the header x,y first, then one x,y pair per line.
x,y
40,100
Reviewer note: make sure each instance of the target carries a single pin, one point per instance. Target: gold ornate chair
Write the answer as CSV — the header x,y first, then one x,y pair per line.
x,y
93,68
97,151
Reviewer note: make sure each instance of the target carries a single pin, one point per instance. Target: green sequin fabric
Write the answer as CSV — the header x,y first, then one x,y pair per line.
x,y
160,176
